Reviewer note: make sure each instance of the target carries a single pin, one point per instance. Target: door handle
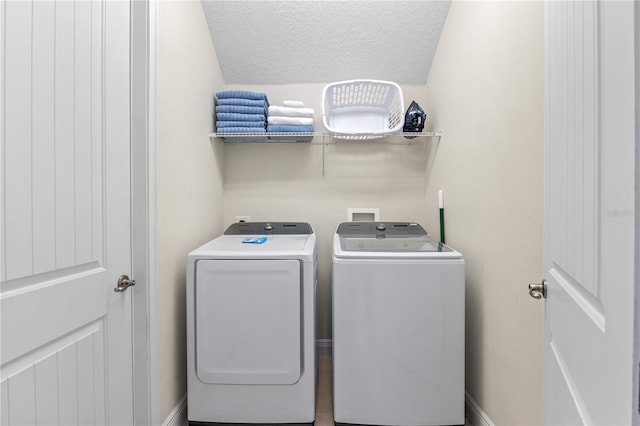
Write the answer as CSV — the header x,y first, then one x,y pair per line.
x,y
124,283
538,290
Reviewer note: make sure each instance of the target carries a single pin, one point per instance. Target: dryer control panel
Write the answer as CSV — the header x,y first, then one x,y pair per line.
x,y
269,228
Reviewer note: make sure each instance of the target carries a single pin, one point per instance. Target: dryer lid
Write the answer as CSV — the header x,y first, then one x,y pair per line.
x,y
301,247
267,243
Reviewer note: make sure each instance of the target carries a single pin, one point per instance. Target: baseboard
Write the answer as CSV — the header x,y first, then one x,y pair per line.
x,y
324,347
177,416
475,414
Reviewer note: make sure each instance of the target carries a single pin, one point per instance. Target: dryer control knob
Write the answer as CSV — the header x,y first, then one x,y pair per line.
x,y
268,227
381,227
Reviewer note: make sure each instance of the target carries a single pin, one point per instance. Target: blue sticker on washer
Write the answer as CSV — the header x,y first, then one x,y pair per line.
x,y
254,240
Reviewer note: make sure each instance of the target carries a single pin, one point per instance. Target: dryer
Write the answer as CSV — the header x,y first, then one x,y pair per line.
x,y
398,326
251,325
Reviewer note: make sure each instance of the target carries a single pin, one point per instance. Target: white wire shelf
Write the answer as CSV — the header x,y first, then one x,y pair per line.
x,y
322,138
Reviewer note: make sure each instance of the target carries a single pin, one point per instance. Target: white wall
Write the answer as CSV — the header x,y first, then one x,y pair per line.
x,y
485,90
189,174
284,182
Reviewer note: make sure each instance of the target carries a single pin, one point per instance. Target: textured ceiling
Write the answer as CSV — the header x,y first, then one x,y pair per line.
x,y
291,42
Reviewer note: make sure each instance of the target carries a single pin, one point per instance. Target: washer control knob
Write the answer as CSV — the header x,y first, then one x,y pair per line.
x,y
381,227
268,227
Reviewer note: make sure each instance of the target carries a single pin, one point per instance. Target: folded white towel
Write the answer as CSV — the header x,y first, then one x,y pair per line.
x,y
283,111
294,104
290,121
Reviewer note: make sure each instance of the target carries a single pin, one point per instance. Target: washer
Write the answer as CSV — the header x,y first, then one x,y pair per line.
x,y
251,326
398,326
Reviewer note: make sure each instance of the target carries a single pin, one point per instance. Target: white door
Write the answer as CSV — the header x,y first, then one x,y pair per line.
x,y
589,212
66,355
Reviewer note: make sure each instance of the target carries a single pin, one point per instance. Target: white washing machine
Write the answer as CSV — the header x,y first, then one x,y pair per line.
x,y
398,326
251,326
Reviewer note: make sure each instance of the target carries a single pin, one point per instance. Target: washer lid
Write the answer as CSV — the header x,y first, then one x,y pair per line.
x,y
388,239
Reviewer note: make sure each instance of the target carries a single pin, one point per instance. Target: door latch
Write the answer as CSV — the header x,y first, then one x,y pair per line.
x,y
124,283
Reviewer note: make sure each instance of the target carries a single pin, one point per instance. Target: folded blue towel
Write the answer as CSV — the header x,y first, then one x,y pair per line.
x,y
245,102
241,109
234,116
221,124
289,129
242,94
242,130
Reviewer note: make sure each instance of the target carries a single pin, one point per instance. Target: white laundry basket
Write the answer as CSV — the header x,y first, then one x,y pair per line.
x,y
362,109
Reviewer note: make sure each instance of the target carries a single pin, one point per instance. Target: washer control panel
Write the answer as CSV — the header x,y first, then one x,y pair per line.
x,y
377,229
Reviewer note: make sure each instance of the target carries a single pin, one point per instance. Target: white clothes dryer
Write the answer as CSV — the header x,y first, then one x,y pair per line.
x,y
398,326
251,326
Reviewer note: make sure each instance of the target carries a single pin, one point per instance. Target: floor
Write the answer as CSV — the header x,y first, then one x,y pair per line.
x,y
324,400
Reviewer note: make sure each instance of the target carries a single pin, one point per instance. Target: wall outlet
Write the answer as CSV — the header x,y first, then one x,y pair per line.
x,y
243,218
363,214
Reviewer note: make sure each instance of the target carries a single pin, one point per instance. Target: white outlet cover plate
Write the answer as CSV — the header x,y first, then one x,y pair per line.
x,y
351,211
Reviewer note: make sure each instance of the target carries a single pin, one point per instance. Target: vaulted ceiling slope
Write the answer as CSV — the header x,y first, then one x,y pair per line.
x,y
313,41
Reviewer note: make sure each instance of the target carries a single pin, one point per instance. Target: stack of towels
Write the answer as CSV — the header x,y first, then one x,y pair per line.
x,y
292,117
241,111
